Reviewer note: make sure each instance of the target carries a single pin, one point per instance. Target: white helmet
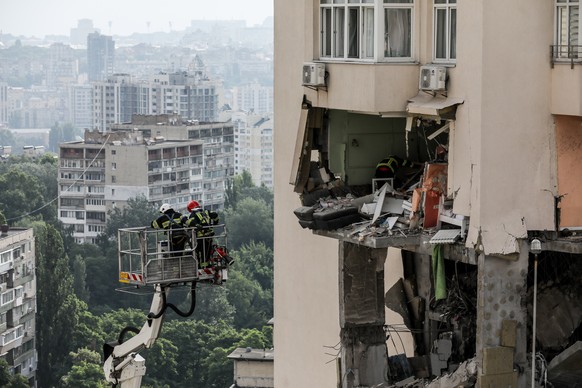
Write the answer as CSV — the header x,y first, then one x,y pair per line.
x,y
165,207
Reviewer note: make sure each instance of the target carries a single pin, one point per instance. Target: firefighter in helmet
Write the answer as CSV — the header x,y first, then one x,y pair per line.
x,y
202,221
171,220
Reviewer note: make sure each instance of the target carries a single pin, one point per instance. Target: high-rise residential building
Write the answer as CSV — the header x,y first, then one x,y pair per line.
x,y
100,56
253,98
191,96
18,302
62,67
467,90
3,103
253,146
157,157
81,106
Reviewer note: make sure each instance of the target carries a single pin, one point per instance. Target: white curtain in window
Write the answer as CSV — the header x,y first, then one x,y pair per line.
x,y
397,38
368,40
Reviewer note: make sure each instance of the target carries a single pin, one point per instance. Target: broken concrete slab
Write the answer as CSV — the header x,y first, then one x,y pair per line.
x,y
464,376
565,370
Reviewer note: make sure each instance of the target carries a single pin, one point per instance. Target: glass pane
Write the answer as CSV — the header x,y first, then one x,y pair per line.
x,y
573,28
441,34
452,1
453,34
324,1
440,1
338,36
354,33
397,33
326,32
368,40
398,1
339,1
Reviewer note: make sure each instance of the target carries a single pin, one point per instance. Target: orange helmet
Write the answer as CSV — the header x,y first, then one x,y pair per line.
x,y
192,205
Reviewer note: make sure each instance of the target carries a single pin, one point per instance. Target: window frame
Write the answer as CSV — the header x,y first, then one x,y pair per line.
x,y
566,51
370,30
449,7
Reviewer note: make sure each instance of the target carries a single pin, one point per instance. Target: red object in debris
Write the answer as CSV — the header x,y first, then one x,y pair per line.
x,y
431,209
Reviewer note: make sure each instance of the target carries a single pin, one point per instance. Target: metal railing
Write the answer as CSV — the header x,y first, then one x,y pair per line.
x,y
566,54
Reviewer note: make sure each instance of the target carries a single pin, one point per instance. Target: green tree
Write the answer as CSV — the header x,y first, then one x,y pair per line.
x,y
212,305
255,261
86,372
137,212
78,269
22,194
253,305
251,221
8,380
57,305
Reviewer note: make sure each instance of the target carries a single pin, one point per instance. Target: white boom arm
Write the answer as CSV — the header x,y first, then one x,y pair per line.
x,y
123,364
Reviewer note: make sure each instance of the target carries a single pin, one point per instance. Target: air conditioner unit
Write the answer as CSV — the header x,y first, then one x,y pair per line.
x,y
314,74
432,78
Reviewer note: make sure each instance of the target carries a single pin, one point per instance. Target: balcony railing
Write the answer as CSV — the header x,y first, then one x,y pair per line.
x,y
566,54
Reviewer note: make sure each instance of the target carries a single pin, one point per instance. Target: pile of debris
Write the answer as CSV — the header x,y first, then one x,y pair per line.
x,y
421,205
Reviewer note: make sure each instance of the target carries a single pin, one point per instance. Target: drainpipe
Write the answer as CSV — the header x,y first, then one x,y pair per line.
x,y
535,248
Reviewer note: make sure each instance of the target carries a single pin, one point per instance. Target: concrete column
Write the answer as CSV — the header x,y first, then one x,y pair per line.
x,y
501,289
364,356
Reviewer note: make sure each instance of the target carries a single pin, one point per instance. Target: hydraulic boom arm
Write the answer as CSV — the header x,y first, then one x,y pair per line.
x,y
123,365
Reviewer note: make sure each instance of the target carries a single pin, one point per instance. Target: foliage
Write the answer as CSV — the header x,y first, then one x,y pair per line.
x,y
8,380
22,194
86,372
254,306
251,221
57,305
137,212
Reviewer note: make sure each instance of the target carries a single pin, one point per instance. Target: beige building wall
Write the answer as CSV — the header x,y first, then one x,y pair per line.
x,y
306,290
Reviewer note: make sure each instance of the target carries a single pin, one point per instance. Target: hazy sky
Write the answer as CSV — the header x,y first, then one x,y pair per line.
x,y
42,17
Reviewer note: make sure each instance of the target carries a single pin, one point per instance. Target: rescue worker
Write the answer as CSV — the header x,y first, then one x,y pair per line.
x,y
202,221
172,221
393,167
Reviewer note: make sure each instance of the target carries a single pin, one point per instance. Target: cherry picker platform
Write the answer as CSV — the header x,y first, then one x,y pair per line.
x,y
147,257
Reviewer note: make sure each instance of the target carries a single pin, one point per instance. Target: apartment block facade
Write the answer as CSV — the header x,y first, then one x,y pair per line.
x,y
189,95
18,302
163,163
100,56
485,92
253,146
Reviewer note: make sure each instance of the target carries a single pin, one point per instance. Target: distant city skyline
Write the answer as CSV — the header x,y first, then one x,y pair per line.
x,y
123,17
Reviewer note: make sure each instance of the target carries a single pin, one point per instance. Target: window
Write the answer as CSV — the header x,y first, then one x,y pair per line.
x,y
348,29
445,30
398,28
567,29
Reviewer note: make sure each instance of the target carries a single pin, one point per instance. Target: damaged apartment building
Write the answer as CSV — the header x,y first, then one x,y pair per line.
x,y
479,226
